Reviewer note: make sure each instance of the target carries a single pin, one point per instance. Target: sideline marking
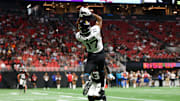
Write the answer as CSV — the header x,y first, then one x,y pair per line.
x,y
133,98
136,99
14,93
39,93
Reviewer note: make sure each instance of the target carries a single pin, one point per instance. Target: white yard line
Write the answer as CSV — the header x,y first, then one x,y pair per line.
x,y
61,100
39,93
65,96
24,99
136,99
125,98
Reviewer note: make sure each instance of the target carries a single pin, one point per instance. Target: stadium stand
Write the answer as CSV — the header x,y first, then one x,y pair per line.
x,y
48,41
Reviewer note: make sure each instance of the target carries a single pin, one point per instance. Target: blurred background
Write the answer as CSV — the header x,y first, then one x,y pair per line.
x,y
138,35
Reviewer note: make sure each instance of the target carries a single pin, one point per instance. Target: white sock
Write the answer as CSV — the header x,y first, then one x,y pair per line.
x,y
70,86
83,86
127,85
74,86
134,85
58,86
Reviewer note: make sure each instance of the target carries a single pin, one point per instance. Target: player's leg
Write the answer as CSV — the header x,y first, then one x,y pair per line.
x,y
88,69
25,86
90,98
100,98
20,89
21,85
101,64
94,94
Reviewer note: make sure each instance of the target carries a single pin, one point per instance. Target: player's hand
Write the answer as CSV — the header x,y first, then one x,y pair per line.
x,y
110,76
91,10
84,12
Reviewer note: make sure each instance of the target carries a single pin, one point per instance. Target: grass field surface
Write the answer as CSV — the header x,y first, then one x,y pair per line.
x,y
113,94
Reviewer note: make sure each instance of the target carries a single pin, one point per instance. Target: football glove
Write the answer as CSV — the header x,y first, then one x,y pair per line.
x,y
84,12
110,76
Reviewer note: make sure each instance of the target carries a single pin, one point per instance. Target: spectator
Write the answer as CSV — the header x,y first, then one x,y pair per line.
x,y
0,78
173,78
29,48
160,78
69,78
82,79
54,79
110,80
134,79
146,78
74,80
118,79
46,81
138,74
34,80
58,80
125,79
142,79
167,78
3,65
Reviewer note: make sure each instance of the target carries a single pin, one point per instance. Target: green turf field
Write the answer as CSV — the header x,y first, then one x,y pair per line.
x,y
113,94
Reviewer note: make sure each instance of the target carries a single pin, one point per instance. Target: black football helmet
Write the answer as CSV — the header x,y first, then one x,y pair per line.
x,y
84,27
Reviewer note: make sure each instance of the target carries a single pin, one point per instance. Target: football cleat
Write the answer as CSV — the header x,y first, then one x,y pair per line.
x,y
86,88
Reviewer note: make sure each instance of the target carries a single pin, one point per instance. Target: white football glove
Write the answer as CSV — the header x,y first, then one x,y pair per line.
x,y
84,12
110,76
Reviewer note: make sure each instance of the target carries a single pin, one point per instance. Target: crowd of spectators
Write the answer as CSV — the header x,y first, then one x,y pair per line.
x,y
137,44
161,78
48,41
37,41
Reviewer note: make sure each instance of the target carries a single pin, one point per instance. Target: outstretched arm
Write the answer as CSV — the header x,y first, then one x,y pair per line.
x,y
99,20
18,77
77,24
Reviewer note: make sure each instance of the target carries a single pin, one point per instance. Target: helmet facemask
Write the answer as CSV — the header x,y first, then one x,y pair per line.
x,y
84,27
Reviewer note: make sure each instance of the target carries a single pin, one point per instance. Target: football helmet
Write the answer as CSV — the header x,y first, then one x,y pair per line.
x,y
84,27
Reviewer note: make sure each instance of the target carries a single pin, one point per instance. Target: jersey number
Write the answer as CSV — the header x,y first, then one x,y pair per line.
x,y
92,43
95,75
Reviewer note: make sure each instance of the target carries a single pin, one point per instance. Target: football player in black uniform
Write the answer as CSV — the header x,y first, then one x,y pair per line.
x,y
90,36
